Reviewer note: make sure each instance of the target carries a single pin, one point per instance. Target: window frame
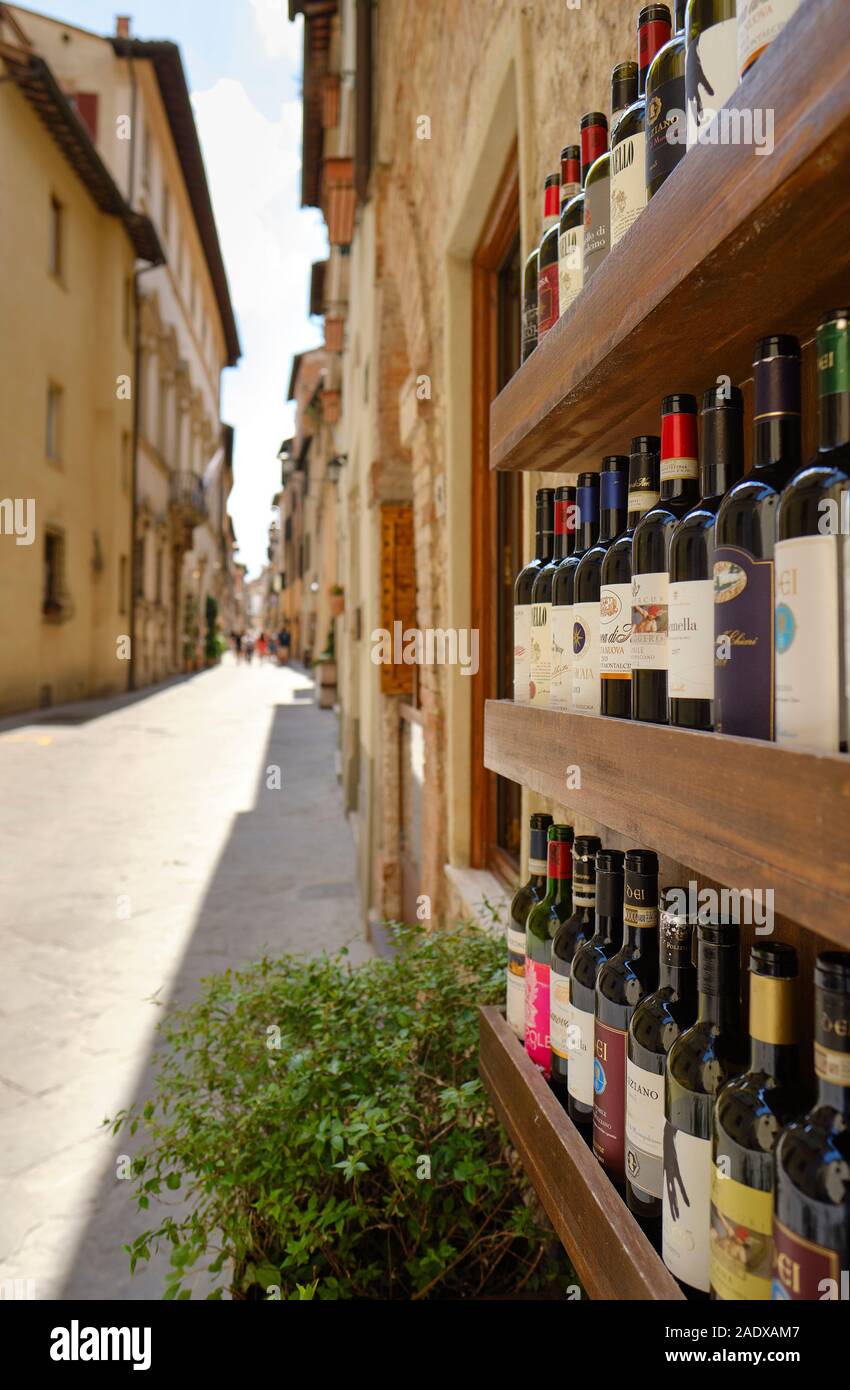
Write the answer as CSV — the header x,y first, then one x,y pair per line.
x,y
56,240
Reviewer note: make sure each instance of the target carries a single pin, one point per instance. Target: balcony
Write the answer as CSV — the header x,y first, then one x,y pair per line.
x,y
188,499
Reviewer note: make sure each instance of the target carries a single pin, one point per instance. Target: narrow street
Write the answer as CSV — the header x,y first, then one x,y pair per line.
x,y
144,848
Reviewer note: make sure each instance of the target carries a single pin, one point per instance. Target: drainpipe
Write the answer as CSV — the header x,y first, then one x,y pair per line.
x,y
137,388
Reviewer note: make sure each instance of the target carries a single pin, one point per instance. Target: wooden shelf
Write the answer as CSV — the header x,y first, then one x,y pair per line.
x,y
612,1256
745,813
734,245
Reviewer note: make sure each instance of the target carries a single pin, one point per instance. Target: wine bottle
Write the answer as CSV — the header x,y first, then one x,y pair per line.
x,y
698,1064
547,259
594,141
615,595
750,1111
613,484
811,1222
541,603
566,512
587,961
622,982
524,899
744,543
569,936
679,473
759,23
531,271
711,61
543,921
656,1023
597,188
811,523
666,129
690,653
545,506
587,527
628,141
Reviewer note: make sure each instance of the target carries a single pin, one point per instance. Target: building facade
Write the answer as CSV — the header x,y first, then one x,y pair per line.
x,y
430,175
132,99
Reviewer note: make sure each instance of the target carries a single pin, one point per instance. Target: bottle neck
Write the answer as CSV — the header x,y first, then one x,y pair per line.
x,y
544,545
719,1009
832,1049
680,976
679,467
718,982
834,416
779,1060
564,528
716,477
538,882
776,440
611,523
651,39
560,890
680,489
640,941
609,929
835,1096
559,872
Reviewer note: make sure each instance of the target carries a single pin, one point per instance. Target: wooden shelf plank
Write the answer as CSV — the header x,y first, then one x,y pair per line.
x,y
611,1254
745,813
734,245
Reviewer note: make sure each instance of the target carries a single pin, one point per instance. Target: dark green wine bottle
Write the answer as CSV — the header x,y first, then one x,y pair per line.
x,y
543,921
597,188
524,899
666,120
566,941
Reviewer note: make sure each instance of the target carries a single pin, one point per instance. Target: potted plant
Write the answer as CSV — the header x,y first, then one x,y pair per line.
x,y
212,654
337,599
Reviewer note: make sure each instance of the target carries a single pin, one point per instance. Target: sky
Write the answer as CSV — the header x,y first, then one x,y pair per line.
x,y
243,64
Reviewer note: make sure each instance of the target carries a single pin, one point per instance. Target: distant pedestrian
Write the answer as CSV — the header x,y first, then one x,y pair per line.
x,y
284,642
249,647
261,645
237,642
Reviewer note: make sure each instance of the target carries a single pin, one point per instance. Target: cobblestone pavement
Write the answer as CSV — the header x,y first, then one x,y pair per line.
x,y
141,848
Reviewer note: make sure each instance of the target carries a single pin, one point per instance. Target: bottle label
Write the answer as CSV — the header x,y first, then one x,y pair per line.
x,y
691,639
628,184
800,1266
580,1056
516,981
686,1206
759,23
685,466
561,681
741,1255
743,644
597,225
537,1043
529,329
559,1022
522,653
584,894
541,653
609,1098
644,1128
667,133
537,866
586,696
808,707
648,641
711,74
615,627
832,1066
547,298
641,499
570,266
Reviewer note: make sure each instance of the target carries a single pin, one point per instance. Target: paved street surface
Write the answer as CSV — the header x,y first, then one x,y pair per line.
x,y
140,849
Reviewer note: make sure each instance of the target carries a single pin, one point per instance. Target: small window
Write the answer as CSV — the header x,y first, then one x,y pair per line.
x,y
57,228
53,425
122,584
147,157
54,565
159,562
166,211
139,567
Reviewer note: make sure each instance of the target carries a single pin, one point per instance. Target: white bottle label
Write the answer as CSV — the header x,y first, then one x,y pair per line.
x,y
586,695
686,1210
516,981
522,653
648,642
561,683
628,184
615,627
690,645
759,23
541,653
644,1128
713,70
559,1013
580,1056
570,266
807,627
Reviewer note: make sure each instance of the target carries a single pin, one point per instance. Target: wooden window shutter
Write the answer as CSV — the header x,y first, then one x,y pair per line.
x,y
86,107
398,590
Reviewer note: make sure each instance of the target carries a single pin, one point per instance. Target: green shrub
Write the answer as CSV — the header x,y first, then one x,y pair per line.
x,y
331,1133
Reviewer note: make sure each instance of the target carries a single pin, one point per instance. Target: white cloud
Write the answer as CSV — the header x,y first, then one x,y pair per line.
x,y
268,242
281,38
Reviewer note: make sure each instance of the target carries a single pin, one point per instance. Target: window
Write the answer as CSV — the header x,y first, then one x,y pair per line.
x,y
85,104
53,423
54,565
55,262
122,585
161,421
139,567
166,211
496,542
160,554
